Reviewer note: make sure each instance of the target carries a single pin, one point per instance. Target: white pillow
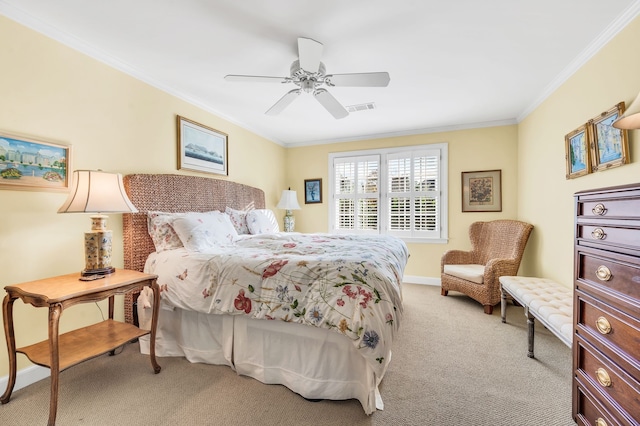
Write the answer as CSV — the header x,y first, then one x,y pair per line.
x,y
203,232
239,219
262,221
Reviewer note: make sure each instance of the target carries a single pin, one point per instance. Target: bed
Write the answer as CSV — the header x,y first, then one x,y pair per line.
x,y
283,308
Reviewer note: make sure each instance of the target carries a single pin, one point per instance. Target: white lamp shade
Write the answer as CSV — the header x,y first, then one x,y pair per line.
x,y
289,200
97,192
631,118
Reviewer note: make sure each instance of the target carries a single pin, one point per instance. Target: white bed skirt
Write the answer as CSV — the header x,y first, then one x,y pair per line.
x,y
313,362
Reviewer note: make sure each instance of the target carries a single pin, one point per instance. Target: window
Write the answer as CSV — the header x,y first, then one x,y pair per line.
x,y
397,191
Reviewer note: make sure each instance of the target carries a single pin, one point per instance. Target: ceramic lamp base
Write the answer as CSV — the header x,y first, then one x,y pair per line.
x,y
97,248
289,222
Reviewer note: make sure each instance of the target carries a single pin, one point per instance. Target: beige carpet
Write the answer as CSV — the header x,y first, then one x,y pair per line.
x,y
452,365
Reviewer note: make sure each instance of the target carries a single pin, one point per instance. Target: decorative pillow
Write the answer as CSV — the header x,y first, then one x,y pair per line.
x,y
205,232
239,219
262,221
161,231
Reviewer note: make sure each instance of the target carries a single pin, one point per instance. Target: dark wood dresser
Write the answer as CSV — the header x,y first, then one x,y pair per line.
x,y
606,342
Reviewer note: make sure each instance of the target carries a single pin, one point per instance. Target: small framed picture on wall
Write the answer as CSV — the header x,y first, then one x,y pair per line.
x,y
609,146
482,191
312,191
577,154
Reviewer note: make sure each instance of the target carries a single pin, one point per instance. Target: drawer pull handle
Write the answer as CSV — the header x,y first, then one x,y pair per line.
x,y
600,422
599,209
598,234
603,325
603,377
603,273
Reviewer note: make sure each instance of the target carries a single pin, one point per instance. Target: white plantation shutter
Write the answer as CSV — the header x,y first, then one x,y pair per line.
x,y
357,193
413,193
399,191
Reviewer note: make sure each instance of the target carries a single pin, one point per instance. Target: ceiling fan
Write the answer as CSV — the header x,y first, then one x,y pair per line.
x,y
309,74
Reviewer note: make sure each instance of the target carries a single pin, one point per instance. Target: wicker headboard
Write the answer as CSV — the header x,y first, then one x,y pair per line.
x,y
175,193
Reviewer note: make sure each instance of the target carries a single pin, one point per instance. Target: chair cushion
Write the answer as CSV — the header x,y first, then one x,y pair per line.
x,y
473,273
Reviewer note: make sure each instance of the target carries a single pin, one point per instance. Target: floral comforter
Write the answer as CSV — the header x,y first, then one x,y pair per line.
x,y
346,283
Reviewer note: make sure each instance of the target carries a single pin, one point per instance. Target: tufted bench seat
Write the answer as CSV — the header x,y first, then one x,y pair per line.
x,y
544,299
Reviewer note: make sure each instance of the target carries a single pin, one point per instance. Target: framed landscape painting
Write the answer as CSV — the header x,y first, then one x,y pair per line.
x,y
577,152
609,146
202,148
33,164
482,191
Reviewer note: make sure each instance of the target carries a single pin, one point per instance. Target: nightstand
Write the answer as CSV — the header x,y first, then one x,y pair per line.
x,y
60,352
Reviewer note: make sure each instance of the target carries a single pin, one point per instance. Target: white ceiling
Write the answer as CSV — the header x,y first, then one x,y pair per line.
x,y
453,64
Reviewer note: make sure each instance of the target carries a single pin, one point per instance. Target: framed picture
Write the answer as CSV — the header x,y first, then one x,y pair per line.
x,y
577,152
609,146
312,191
482,191
202,148
33,164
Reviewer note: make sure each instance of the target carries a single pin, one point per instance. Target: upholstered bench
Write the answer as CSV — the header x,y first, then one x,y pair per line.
x,y
544,299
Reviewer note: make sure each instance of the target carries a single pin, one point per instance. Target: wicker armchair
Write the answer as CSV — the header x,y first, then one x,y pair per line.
x,y
497,249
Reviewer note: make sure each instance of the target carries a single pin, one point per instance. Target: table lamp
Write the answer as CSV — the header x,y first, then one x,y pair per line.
x,y
630,120
288,202
97,192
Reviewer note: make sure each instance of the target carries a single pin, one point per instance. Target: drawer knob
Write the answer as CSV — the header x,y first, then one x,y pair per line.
x,y
598,234
599,209
603,325
603,273
603,377
600,422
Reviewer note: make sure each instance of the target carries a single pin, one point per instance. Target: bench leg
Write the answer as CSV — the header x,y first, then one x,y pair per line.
x,y
503,305
531,328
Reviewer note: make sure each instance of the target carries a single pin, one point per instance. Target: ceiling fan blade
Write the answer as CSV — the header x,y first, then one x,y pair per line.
x,y
284,102
330,103
255,79
309,54
367,79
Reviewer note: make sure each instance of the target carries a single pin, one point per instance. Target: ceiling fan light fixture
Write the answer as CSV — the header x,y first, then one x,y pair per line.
x,y
308,85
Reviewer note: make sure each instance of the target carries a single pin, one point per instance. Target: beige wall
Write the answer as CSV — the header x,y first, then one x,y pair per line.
x,y
545,196
469,150
113,122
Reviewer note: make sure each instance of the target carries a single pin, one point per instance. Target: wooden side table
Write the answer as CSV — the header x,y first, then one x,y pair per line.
x,y
60,352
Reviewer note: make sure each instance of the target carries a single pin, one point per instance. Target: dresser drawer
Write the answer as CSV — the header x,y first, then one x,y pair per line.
x,y
614,333
608,379
590,412
610,272
607,235
600,207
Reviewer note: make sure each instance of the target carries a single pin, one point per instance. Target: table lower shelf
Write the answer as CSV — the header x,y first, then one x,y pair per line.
x,y
84,343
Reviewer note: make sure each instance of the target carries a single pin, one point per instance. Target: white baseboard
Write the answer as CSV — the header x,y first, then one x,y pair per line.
x,y
26,377
415,279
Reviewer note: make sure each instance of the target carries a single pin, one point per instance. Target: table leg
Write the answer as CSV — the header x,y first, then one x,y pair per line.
x,y
54,321
154,326
7,314
111,305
